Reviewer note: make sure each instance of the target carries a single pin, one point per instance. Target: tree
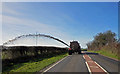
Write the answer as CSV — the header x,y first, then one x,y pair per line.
x,y
102,39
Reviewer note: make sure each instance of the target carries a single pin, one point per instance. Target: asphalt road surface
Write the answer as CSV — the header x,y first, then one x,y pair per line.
x,y
87,63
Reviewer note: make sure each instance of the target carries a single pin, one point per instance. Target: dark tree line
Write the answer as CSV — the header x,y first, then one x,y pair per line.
x,y
105,41
19,54
24,51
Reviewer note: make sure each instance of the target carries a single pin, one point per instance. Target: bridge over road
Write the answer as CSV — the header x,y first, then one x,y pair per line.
x,y
86,62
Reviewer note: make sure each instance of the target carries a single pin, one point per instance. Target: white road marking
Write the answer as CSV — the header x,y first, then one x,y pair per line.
x,y
94,66
102,68
83,57
54,65
88,68
87,65
89,56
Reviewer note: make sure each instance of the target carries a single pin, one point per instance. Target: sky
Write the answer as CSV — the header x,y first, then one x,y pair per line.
x,y
60,0
67,21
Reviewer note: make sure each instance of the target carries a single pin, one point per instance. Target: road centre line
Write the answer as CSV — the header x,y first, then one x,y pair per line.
x,y
98,66
88,68
102,68
89,56
83,57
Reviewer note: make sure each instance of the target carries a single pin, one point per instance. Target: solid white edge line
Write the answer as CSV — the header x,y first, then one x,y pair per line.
x,y
102,68
88,68
54,65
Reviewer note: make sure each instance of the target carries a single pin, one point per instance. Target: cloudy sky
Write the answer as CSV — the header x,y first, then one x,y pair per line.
x,y
64,20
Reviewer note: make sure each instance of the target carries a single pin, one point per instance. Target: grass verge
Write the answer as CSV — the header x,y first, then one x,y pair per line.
x,y
83,49
35,66
106,53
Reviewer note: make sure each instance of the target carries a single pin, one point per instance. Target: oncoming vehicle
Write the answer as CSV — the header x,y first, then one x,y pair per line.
x,y
74,47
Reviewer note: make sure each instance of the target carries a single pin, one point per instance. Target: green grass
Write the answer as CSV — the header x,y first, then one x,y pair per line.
x,y
106,53
83,49
33,66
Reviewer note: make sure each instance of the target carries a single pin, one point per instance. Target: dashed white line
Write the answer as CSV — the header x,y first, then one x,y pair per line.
x,y
102,68
54,65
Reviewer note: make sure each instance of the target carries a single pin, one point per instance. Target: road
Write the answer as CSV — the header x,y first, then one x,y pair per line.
x,y
86,62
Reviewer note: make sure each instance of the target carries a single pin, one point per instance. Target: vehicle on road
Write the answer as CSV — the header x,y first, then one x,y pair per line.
x,y
74,47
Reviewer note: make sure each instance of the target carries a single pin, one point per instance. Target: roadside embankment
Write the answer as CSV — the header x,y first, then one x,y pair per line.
x,y
30,59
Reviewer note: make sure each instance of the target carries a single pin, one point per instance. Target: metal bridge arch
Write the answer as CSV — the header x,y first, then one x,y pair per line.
x,y
36,35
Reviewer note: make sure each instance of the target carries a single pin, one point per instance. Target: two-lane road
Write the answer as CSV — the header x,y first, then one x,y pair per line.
x,y
86,62
73,63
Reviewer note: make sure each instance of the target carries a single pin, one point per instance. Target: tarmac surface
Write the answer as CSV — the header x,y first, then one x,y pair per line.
x,y
86,62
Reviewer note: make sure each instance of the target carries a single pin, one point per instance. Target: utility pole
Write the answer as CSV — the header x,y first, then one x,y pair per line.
x,y
36,38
